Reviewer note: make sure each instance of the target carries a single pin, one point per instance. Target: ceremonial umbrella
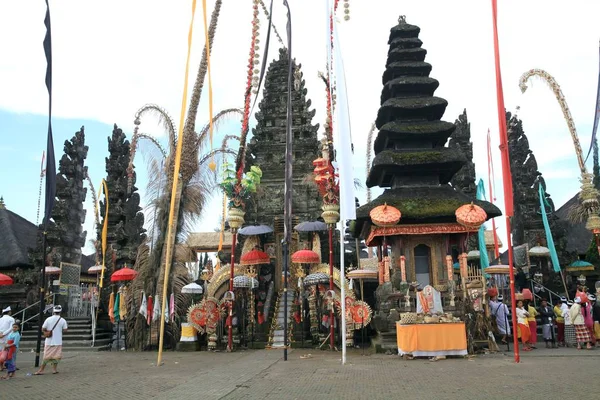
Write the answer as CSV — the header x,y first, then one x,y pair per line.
x,y
255,230
539,251
316,278
50,270
306,257
311,226
96,269
5,280
255,257
243,281
192,288
124,274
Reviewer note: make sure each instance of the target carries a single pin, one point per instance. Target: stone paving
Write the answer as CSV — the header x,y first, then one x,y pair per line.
x,y
262,374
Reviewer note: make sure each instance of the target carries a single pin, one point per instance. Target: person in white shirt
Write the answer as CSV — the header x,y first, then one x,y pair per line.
x,y
570,338
6,323
53,329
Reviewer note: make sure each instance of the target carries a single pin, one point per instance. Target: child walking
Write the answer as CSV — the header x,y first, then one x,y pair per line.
x,y
10,350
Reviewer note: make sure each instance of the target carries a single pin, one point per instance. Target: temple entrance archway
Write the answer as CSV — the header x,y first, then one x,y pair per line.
x,y
423,264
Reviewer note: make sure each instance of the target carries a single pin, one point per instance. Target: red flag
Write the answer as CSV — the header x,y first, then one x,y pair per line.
x,y
150,310
506,176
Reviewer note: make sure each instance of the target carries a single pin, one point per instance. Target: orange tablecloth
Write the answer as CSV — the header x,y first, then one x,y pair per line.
x,y
429,340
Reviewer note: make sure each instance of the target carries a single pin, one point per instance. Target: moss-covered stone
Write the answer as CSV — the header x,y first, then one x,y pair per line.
x,y
412,108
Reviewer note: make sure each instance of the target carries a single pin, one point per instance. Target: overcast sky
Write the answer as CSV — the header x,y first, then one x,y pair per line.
x,y
112,57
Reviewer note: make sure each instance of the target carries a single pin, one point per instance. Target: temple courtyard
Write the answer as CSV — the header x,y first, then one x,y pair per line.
x,y
542,374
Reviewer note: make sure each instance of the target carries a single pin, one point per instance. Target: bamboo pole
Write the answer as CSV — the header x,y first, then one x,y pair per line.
x,y
172,221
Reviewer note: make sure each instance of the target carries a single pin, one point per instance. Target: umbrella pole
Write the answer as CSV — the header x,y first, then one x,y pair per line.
x,y
231,272
362,327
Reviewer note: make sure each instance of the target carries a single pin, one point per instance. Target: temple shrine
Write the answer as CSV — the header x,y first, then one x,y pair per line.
x,y
414,167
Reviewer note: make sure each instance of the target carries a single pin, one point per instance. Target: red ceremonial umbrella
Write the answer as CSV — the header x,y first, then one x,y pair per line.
x,y
306,257
5,280
255,257
124,274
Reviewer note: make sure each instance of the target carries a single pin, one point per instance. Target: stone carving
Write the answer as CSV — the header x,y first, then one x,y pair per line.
x,y
464,180
125,218
267,147
65,234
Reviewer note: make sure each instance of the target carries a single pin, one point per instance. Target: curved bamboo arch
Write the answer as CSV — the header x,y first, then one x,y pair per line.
x,y
555,87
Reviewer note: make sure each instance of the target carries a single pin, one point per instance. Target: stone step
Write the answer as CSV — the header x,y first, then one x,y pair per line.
x,y
68,337
30,333
27,346
70,326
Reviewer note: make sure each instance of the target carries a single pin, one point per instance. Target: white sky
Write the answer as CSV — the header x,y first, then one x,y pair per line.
x,y
111,57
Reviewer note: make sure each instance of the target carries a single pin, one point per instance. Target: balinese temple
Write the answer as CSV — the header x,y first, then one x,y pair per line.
x,y
267,150
414,167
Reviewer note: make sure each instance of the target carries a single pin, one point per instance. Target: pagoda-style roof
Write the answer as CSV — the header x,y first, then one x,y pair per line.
x,y
392,132
443,162
16,238
411,160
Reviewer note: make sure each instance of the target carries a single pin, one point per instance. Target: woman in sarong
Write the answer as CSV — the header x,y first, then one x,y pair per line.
x,y
582,333
523,326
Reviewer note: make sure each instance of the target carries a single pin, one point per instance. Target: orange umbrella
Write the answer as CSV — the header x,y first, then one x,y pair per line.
x,y
306,257
470,215
385,215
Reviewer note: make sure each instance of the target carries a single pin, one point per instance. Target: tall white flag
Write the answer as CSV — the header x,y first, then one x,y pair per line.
x,y
156,311
342,135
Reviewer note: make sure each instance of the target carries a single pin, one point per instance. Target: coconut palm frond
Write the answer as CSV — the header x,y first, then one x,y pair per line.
x,y
227,138
218,118
164,119
358,184
577,214
155,142
136,323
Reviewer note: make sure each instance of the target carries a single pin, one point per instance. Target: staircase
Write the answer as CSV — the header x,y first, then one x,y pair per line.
x,y
77,338
276,334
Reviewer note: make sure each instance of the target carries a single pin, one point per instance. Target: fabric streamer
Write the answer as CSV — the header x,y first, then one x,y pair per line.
x,y
210,91
144,306
506,176
150,312
264,60
287,226
104,235
111,307
596,120
51,162
171,224
543,204
117,307
172,307
156,310
483,256
344,136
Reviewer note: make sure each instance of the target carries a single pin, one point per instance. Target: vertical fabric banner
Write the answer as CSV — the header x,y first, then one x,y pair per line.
x,y
506,176
596,119
172,222
104,238
483,256
210,91
50,162
491,180
543,204
344,136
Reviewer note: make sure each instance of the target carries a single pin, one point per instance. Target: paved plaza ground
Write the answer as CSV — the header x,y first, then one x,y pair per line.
x,y
262,374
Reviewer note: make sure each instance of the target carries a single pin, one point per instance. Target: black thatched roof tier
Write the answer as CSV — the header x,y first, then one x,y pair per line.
x,y
393,132
424,108
443,162
409,86
17,236
403,30
578,237
421,205
403,68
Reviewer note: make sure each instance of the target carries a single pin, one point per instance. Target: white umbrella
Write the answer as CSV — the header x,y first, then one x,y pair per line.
x,y
96,269
192,288
539,251
50,270
473,255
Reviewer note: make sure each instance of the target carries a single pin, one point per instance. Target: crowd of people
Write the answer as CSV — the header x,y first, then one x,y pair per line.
x,y
566,324
10,336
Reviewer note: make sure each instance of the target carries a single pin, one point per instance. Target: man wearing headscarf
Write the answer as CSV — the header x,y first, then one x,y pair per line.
x,y
559,311
6,324
500,311
53,329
